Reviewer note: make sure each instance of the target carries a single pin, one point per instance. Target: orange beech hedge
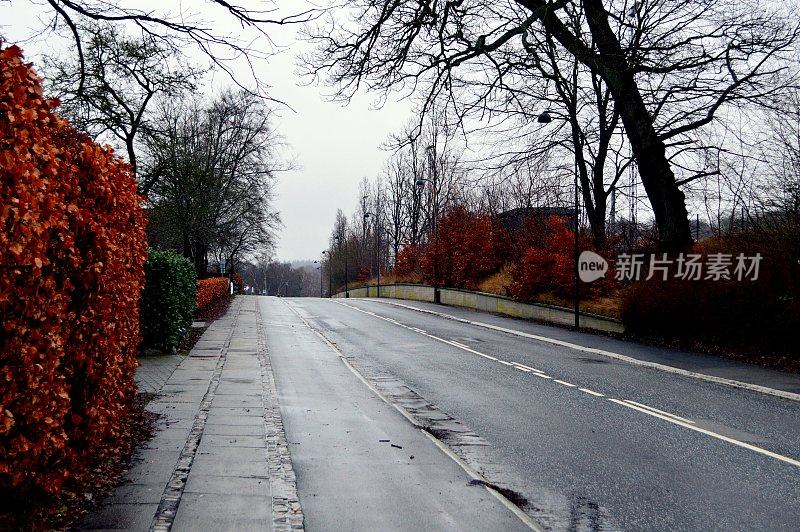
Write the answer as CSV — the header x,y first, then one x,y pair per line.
x,y
211,290
72,248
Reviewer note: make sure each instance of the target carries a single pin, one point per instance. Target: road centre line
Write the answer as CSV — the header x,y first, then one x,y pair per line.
x,y
659,411
565,383
610,354
666,416
695,428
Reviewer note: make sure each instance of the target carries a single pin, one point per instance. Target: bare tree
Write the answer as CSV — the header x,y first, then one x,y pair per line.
x,y
728,50
124,75
184,25
216,167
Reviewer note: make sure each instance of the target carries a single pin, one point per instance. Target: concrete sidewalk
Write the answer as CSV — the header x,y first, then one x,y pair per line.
x,y
219,459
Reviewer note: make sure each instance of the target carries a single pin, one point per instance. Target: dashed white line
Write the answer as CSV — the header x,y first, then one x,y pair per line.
x,y
640,407
565,383
707,432
610,354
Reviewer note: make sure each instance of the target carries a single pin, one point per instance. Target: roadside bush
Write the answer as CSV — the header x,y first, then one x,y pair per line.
x,y
168,299
238,283
464,252
211,290
72,247
407,263
763,315
547,264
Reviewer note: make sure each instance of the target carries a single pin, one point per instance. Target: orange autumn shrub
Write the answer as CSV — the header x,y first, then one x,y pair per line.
x,y
238,283
465,250
547,262
72,249
211,290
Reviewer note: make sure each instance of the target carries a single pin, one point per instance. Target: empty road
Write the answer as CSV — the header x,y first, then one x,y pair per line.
x,y
580,441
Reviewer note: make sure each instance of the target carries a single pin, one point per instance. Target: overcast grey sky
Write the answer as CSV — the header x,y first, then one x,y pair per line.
x,y
335,146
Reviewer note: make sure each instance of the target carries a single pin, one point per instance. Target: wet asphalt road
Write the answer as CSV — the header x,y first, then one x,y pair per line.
x,y
592,443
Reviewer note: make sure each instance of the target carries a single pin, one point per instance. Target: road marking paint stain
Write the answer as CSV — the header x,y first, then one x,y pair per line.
x,y
542,375
565,383
659,411
522,369
707,432
591,392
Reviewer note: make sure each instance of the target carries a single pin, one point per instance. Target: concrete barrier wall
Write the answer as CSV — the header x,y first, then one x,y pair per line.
x,y
488,303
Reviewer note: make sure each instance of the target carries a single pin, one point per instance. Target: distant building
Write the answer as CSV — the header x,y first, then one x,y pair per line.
x,y
515,219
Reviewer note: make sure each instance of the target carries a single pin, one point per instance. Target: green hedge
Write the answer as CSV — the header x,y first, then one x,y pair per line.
x,y
168,299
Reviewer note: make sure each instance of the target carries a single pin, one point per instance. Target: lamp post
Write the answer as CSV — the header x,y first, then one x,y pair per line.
x,y
339,240
325,252
545,118
421,183
377,249
319,269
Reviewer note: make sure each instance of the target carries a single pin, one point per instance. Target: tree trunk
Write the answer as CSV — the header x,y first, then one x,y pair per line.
x,y
667,200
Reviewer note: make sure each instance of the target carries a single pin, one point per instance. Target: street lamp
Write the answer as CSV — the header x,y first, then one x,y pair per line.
x,y
377,249
545,118
420,184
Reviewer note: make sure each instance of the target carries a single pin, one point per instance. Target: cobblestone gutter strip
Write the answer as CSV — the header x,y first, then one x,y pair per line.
x,y
171,498
287,514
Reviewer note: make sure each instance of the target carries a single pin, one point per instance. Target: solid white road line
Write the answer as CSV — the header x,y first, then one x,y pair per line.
x,y
649,410
659,411
610,354
516,510
695,428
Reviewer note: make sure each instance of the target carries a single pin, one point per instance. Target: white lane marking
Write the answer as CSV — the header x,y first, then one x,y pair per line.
x,y
522,369
565,383
528,367
659,411
522,516
695,428
610,354
431,336
477,476
672,418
